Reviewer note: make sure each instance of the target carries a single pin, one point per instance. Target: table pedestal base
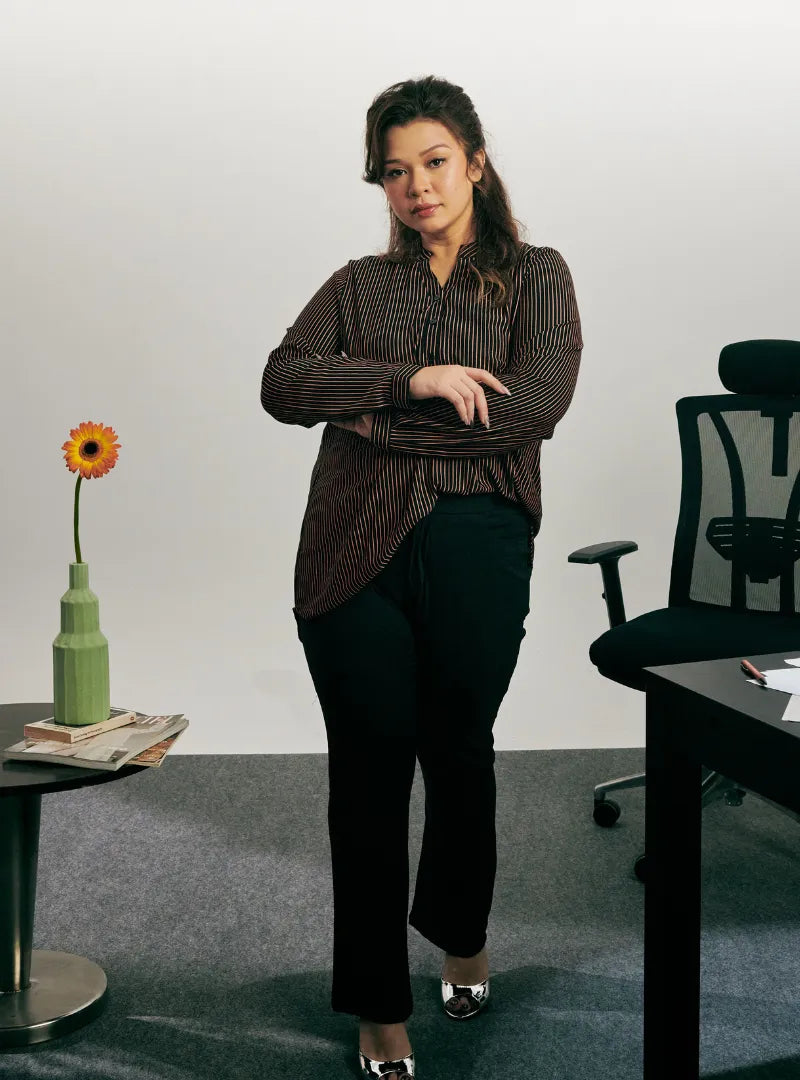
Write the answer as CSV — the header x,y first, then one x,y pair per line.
x,y
65,992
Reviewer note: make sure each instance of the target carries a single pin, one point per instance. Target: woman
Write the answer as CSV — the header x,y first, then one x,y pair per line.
x,y
414,563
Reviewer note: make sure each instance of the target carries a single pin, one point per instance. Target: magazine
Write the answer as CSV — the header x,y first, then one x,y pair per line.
x,y
108,750
156,754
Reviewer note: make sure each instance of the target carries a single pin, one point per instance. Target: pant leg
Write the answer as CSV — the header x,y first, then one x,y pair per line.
x,y
362,660
473,602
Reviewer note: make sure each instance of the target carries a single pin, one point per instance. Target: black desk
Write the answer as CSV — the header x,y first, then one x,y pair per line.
x,y
42,993
698,714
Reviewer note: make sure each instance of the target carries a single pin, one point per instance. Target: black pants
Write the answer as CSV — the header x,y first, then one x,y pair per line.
x,y
416,666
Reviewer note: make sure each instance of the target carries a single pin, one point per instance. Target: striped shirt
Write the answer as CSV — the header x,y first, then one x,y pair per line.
x,y
354,349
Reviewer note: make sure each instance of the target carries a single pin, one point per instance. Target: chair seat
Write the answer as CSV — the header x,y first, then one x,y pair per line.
x,y
678,635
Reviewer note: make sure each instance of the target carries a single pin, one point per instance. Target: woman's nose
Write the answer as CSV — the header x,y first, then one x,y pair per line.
x,y
416,186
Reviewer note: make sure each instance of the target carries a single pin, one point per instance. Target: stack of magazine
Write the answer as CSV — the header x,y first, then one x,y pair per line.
x,y
125,738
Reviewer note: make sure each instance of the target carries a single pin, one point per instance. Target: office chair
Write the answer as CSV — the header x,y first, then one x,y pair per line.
x,y
735,577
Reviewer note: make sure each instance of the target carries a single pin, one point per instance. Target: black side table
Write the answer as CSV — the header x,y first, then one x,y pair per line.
x,y
699,713
43,993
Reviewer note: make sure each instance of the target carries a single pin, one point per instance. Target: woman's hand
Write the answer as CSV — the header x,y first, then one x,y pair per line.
x,y
461,385
361,425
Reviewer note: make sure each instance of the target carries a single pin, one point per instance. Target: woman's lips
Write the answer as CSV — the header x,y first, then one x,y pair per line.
x,y
426,213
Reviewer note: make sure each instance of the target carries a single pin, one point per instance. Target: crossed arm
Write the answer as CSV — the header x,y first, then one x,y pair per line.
x,y
305,382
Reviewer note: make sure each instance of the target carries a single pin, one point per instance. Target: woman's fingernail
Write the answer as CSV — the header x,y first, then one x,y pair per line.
x,y
507,390
486,424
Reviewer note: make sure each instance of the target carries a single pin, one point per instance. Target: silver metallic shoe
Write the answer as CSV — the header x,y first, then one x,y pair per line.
x,y
463,1002
399,1069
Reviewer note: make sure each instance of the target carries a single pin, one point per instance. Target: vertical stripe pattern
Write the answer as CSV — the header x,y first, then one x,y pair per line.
x,y
355,347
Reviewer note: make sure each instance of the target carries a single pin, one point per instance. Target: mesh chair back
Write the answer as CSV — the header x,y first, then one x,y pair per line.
x,y
737,543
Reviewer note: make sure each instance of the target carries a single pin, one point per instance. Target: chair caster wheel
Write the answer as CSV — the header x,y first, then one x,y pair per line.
x,y
640,868
734,796
606,813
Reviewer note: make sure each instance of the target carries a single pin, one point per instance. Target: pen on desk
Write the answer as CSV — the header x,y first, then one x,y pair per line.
x,y
753,672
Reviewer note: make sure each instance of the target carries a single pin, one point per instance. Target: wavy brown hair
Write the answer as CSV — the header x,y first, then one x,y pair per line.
x,y
496,229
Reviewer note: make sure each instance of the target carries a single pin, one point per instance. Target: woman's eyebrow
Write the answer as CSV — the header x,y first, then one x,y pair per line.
x,y
394,160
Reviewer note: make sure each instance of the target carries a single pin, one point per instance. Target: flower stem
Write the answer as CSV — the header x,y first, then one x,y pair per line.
x,y
77,542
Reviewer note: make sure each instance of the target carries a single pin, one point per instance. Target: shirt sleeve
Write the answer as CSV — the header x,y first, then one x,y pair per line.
x,y
308,379
544,355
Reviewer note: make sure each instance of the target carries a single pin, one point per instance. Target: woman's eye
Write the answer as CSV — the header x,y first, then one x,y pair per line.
x,y
390,174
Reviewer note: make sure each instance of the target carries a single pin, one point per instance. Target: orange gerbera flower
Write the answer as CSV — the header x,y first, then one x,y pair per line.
x,y
92,450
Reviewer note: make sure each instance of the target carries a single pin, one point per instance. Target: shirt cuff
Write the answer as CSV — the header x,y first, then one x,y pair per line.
x,y
381,422
400,385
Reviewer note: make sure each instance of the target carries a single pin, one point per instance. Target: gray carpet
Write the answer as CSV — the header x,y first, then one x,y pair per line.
x,y
203,890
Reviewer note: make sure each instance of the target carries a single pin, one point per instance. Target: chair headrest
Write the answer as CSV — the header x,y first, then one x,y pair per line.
x,y
762,366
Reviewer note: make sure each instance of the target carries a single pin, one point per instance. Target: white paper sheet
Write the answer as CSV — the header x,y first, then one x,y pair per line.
x,y
792,711
787,680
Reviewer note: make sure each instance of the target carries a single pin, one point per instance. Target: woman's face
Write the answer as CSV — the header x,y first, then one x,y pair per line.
x,y
425,164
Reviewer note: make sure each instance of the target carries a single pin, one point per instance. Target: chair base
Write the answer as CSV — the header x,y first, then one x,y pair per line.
x,y
714,786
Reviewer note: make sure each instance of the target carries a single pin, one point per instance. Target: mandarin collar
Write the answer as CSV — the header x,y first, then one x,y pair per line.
x,y
466,251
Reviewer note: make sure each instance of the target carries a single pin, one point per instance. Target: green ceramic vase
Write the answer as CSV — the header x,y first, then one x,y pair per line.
x,y
80,655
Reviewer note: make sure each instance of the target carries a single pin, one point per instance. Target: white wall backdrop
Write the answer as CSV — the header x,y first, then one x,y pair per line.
x,y
179,177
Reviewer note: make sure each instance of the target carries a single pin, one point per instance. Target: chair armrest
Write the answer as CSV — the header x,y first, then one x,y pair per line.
x,y
608,555
612,549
